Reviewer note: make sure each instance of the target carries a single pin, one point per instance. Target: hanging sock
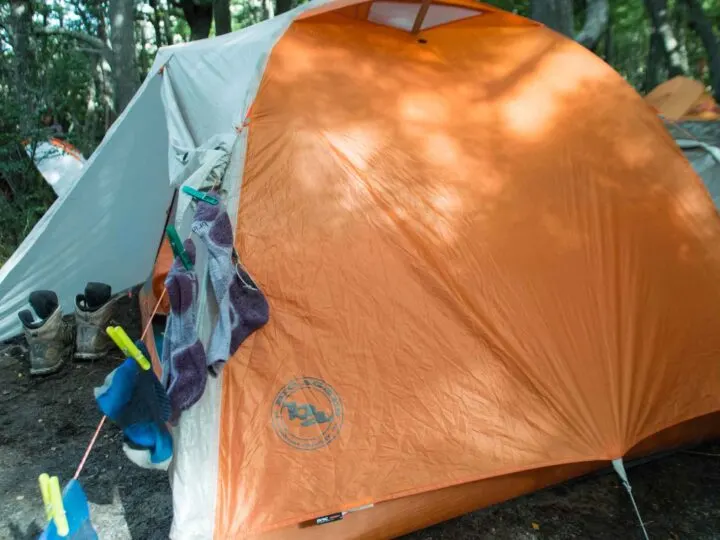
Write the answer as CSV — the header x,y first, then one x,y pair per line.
x,y
620,470
241,304
183,355
76,524
135,400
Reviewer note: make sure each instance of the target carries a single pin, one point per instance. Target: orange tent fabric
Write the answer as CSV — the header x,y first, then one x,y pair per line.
x,y
682,98
162,267
473,293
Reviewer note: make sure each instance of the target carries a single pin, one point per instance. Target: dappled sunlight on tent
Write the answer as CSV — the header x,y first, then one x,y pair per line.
x,y
532,107
427,107
695,212
442,149
637,152
356,143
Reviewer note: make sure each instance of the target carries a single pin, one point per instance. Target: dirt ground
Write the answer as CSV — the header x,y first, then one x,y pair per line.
x,y
45,425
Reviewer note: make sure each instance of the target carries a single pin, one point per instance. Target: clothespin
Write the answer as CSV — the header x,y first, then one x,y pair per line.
x,y
56,506
127,346
177,247
44,481
199,195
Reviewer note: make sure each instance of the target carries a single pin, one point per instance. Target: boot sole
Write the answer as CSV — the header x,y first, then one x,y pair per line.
x,y
46,371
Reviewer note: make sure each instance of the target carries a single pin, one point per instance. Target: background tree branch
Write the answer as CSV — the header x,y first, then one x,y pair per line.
x,y
597,18
87,39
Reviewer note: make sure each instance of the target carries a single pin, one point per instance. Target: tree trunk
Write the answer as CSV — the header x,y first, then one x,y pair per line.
x,y
268,9
555,14
22,65
97,12
678,23
702,26
155,18
91,109
199,17
677,61
281,6
221,13
167,25
21,21
122,37
144,56
597,16
654,62
609,56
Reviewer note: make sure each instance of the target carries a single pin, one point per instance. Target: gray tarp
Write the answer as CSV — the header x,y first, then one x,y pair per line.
x,y
705,159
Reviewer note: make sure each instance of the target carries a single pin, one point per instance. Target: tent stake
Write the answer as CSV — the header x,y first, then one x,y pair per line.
x,y
421,16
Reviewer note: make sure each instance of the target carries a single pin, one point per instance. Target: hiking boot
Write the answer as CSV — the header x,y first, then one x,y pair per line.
x,y
93,312
50,340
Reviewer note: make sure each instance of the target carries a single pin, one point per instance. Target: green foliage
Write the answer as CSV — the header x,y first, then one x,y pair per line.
x,y
24,194
17,218
630,40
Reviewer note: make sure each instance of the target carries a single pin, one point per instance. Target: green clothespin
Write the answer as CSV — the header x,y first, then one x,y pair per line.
x,y
177,247
44,481
199,195
58,510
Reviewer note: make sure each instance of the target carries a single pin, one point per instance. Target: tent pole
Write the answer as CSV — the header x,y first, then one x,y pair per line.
x,y
421,16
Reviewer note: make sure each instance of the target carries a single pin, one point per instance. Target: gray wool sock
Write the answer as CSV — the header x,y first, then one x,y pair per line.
x,y
242,307
183,356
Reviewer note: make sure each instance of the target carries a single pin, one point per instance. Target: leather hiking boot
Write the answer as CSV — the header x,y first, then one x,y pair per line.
x,y
93,313
50,340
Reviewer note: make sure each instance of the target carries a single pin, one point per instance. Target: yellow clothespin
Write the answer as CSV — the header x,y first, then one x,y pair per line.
x,y
126,345
44,481
58,509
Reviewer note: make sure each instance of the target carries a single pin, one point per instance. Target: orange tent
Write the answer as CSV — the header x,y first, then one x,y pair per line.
x,y
473,293
681,98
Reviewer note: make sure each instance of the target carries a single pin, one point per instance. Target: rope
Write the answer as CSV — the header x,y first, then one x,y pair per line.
x,y
637,511
619,467
89,448
102,420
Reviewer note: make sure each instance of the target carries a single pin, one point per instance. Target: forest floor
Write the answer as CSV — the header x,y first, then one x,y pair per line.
x,y
46,424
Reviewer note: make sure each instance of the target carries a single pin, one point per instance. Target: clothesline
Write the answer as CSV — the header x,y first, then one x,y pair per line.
x,y
102,420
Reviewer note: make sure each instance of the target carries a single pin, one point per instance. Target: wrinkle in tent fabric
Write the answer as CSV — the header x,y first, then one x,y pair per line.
x,y
478,314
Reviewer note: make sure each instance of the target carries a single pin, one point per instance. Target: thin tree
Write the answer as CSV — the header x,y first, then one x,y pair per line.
x,y
558,15
221,14
675,55
122,38
702,26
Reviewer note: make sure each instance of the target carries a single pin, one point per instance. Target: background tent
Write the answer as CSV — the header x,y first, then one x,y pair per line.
x,y
705,159
58,161
682,98
482,295
700,143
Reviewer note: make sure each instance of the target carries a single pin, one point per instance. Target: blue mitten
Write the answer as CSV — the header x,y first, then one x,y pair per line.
x,y
136,401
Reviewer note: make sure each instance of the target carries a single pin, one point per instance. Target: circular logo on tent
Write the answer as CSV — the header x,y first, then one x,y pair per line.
x,y
307,413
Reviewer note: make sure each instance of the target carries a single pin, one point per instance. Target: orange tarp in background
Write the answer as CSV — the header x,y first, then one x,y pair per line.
x,y
483,285
681,98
